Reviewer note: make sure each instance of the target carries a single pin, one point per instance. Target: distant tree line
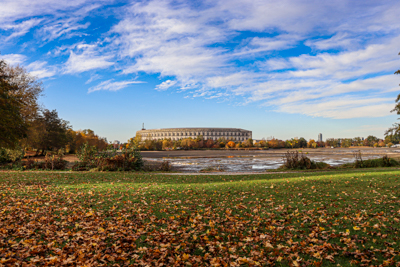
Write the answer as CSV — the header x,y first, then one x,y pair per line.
x,y
186,143
222,143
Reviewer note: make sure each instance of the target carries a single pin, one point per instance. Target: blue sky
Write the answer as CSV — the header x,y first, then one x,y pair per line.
x,y
279,68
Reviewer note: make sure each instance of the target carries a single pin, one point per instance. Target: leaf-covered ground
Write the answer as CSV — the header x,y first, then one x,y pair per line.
x,y
103,219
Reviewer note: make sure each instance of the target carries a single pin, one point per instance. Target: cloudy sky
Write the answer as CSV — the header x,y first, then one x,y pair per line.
x,y
288,68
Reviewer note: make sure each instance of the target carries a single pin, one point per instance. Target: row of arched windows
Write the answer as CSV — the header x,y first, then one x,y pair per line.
x,y
195,134
212,138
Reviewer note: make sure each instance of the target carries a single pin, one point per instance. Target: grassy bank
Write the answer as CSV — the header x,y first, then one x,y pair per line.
x,y
293,219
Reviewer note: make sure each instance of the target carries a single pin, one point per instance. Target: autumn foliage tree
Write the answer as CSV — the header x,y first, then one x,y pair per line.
x,y
12,126
78,138
48,132
19,93
311,143
230,144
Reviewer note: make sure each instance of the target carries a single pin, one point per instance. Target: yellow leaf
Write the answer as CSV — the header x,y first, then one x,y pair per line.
x,y
268,245
356,228
90,213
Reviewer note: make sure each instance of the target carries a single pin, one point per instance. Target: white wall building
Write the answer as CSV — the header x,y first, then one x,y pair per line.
x,y
233,134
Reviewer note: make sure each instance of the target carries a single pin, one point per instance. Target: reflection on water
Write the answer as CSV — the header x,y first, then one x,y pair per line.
x,y
242,163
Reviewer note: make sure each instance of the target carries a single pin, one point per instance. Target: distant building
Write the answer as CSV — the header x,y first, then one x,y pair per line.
x,y
320,137
207,133
116,144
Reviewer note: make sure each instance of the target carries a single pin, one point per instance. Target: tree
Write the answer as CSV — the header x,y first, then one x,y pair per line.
x,y
19,93
231,144
331,142
274,143
381,143
371,140
263,143
347,142
12,123
392,138
209,143
78,138
357,141
28,91
302,142
311,143
53,131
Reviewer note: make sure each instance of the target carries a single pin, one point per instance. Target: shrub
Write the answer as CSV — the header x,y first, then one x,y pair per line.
x,y
212,169
358,157
129,159
165,166
385,161
11,155
51,162
33,164
86,153
80,166
54,162
294,160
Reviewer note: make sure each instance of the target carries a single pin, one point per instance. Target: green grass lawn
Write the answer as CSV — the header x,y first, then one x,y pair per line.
x,y
334,218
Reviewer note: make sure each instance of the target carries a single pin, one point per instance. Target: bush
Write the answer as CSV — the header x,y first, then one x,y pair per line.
x,y
11,155
212,169
51,162
385,161
31,164
54,162
165,166
129,159
80,166
86,153
294,160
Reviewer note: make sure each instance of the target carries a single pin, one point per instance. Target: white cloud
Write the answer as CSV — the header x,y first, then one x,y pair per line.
x,y
110,85
341,108
87,60
205,49
268,44
14,59
179,41
20,29
339,40
40,69
93,78
165,85
12,10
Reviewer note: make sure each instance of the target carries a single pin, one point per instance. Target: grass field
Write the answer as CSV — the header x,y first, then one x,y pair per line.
x,y
330,218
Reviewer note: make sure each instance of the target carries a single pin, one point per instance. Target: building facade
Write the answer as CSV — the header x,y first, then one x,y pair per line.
x,y
320,137
233,134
